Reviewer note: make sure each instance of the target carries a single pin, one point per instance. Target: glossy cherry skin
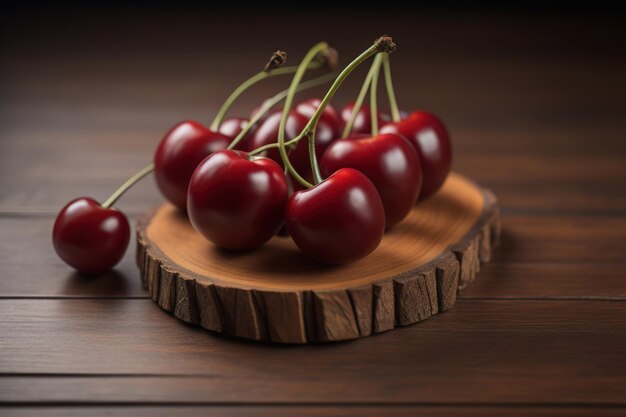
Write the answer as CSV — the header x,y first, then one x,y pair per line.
x,y
232,126
330,121
363,121
268,133
90,238
389,161
430,138
178,154
237,203
339,220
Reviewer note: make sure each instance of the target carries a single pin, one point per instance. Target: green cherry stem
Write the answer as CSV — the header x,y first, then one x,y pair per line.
x,y
358,103
271,102
391,95
309,57
373,96
129,183
382,44
219,117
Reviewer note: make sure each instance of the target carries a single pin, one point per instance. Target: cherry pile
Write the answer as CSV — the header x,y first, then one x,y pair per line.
x,y
333,181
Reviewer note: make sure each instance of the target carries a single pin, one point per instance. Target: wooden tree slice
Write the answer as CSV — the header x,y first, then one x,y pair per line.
x,y
276,293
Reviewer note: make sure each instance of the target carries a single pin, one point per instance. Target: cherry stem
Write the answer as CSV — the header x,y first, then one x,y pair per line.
x,y
271,102
391,95
374,98
359,100
274,145
382,44
308,58
128,184
219,117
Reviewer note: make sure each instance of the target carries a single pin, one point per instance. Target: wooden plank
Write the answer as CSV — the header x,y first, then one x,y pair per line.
x,y
563,239
522,180
534,257
45,275
73,123
306,411
576,280
478,352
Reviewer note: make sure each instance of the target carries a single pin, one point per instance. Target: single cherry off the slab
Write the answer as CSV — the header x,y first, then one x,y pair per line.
x,y
275,293
90,238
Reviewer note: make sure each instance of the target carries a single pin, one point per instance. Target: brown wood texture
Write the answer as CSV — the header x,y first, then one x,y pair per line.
x,y
535,105
276,294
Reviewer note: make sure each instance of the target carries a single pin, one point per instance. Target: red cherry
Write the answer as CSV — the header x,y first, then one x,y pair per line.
x,y
339,220
178,154
90,238
363,121
268,133
431,140
232,126
257,109
389,161
237,203
329,120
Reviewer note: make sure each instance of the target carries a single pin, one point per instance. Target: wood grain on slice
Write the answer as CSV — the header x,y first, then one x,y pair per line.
x,y
275,293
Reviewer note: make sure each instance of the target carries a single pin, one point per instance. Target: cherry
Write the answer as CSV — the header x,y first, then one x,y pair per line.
x,y
330,121
339,220
268,133
90,238
389,161
431,140
237,203
232,126
363,121
178,154
257,109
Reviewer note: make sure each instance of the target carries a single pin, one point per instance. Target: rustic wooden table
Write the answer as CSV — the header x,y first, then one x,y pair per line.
x,y
537,110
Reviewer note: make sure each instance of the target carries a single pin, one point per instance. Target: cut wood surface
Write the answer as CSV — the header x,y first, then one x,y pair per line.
x,y
275,293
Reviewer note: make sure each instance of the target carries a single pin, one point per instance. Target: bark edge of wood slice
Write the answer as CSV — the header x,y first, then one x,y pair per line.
x,y
276,294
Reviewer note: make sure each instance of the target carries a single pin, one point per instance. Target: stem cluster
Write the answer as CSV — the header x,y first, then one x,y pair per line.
x,y
320,55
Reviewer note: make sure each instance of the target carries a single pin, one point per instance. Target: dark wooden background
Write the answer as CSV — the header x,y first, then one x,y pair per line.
x,y
536,104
